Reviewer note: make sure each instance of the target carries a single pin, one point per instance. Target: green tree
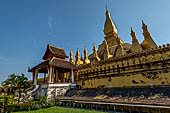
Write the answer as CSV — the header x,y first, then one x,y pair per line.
x,y
16,83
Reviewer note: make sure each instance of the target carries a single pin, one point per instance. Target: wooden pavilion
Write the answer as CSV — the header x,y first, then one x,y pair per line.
x,y
55,65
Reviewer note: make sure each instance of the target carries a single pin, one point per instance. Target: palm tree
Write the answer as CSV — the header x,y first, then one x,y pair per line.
x,y
17,84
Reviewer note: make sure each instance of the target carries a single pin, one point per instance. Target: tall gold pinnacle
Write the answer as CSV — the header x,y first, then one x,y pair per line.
x,y
109,26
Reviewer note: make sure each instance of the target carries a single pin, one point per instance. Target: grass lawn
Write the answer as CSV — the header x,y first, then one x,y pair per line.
x,y
61,110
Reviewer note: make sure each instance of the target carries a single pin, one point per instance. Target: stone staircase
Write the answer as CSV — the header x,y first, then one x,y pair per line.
x,y
30,93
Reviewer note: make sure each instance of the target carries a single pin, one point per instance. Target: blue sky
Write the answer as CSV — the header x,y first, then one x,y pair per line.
x,y
27,26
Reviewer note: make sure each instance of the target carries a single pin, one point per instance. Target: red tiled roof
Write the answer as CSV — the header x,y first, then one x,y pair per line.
x,y
62,63
39,66
56,62
57,52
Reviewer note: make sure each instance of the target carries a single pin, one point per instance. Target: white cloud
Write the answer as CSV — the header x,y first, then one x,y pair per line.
x,y
51,24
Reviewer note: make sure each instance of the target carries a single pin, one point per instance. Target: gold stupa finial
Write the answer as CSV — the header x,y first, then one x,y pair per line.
x,y
86,60
106,46
106,9
120,50
71,57
85,53
95,53
94,48
109,26
106,51
78,61
78,53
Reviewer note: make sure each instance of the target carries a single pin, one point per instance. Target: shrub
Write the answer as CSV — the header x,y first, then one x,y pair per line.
x,y
6,101
35,105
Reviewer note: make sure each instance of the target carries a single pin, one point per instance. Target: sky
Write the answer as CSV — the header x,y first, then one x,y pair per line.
x,y
27,26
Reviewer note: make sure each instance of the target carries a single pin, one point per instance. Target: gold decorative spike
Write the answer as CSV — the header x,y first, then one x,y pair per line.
x,y
78,61
109,26
135,43
95,56
71,57
106,51
120,50
86,60
133,35
148,42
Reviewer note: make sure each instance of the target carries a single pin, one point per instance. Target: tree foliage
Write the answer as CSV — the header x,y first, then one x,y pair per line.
x,y
16,84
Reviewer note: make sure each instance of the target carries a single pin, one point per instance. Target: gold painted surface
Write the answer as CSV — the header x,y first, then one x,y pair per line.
x,y
127,81
117,57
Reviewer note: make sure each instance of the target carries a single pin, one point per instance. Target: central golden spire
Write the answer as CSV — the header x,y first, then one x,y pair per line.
x,y
109,26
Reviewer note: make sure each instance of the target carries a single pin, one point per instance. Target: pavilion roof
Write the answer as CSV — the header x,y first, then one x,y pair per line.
x,y
56,62
54,51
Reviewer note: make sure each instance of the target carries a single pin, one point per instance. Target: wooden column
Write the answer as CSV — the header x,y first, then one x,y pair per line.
x,y
49,77
72,75
50,74
56,75
53,75
44,78
35,77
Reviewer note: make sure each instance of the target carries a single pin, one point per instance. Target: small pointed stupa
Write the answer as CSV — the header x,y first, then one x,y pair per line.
x,y
120,50
95,56
86,60
135,43
78,61
71,57
106,51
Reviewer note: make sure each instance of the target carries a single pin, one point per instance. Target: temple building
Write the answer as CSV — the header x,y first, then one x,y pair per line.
x,y
120,64
114,64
